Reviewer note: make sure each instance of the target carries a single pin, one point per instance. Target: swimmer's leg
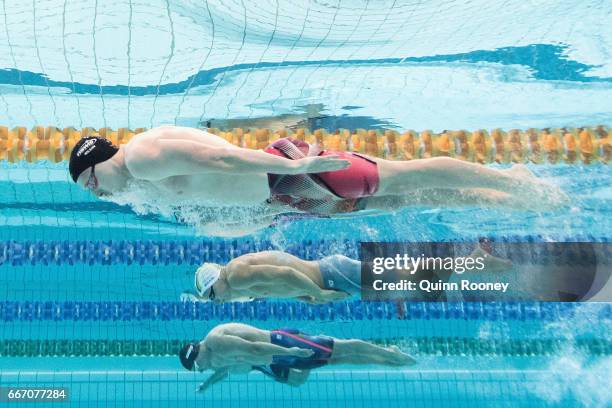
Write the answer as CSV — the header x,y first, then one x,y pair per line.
x,y
361,352
476,197
402,177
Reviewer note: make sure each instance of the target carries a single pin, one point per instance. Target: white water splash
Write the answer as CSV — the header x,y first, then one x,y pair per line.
x,y
207,217
573,377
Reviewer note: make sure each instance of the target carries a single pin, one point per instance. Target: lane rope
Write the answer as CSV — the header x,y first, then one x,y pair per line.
x,y
108,311
417,346
195,252
584,145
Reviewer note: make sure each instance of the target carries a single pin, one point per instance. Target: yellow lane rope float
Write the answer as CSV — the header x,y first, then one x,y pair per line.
x,y
564,145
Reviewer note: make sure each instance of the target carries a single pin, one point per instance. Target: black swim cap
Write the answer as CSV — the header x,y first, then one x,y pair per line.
x,y
188,355
89,151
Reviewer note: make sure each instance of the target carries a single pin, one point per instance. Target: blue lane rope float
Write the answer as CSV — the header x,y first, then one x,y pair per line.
x,y
18,253
417,346
11,311
151,252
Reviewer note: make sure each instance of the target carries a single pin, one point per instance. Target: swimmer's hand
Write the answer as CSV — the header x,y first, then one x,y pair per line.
x,y
202,387
321,164
189,297
325,296
333,295
312,300
300,352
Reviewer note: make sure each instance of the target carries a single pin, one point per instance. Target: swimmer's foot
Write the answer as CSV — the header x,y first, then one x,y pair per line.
x,y
546,197
189,297
533,193
519,170
399,358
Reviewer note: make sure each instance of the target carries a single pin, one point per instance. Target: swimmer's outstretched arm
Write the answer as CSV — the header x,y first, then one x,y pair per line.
x,y
257,351
215,377
282,281
162,158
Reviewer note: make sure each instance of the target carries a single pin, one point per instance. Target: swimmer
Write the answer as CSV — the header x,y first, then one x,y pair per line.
x,y
276,274
285,355
186,165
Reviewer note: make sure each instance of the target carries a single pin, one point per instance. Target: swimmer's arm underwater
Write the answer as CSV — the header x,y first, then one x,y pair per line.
x,y
163,158
215,377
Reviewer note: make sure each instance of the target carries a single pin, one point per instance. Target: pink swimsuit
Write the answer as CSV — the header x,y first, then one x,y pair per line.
x,y
325,193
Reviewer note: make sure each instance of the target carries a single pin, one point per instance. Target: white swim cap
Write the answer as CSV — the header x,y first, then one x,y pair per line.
x,y
206,276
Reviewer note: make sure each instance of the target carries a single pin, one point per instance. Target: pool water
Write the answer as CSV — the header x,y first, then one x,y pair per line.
x,y
421,65
89,289
469,354
40,203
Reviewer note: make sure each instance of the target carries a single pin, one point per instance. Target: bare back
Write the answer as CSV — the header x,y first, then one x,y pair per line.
x,y
279,258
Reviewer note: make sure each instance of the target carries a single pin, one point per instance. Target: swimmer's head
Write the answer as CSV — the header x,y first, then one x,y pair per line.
x,y
88,152
205,277
188,355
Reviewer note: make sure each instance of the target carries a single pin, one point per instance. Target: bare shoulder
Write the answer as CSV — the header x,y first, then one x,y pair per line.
x,y
143,152
238,265
226,328
141,143
213,338
215,335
